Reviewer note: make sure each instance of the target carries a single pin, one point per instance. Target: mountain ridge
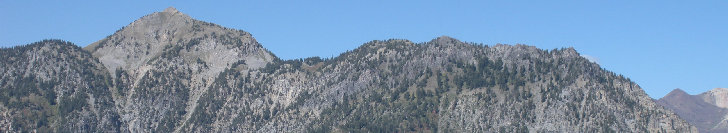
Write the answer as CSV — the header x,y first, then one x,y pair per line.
x,y
168,72
702,110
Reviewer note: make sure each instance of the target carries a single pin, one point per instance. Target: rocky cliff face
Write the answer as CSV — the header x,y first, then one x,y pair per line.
x,y
707,111
167,72
717,97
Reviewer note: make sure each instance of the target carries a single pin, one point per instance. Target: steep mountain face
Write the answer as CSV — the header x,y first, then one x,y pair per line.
x,y
164,61
707,111
54,86
167,72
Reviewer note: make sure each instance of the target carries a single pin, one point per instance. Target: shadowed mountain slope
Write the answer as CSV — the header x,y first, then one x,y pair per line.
x,y
706,111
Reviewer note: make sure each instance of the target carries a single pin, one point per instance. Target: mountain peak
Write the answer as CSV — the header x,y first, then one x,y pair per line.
x,y
173,34
446,41
444,38
676,93
170,10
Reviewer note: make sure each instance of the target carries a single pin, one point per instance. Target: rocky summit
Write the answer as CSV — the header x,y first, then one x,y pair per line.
x,y
164,62
707,111
167,72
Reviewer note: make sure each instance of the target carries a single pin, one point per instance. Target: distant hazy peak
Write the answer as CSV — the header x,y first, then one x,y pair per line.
x,y
705,111
677,94
677,91
717,96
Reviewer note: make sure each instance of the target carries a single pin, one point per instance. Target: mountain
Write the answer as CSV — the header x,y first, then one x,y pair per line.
x,y
54,85
707,111
441,85
163,62
167,72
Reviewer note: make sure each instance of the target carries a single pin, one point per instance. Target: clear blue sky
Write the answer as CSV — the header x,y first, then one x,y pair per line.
x,y
661,44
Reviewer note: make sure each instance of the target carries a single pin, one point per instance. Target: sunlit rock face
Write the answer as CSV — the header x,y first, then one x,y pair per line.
x,y
165,61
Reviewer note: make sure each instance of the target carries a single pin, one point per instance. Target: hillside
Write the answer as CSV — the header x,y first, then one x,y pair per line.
x,y
54,85
707,111
167,72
